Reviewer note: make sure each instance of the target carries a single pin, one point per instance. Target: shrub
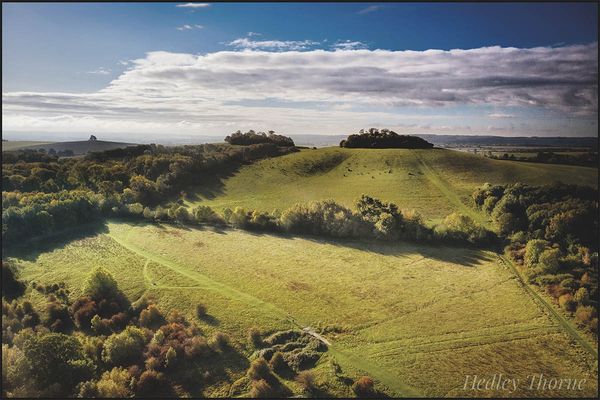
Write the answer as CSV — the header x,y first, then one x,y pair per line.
x,y
585,314
151,317
262,389
259,369
83,310
307,382
219,341
101,285
364,387
566,301
152,384
302,359
582,296
124,348
114,383
277,363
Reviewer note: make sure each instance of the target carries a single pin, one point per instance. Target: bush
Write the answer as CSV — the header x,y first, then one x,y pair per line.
x,y
384,139
566,301
259,369
277,363
219,341
125,348
364,387
152,384
114,383
83,310
151,317
585,314
306,380
263,389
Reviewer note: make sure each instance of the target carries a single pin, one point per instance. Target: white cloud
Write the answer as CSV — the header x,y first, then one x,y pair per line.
x,y
500,115
187,27
100,71
324,92
193,5
348,45
370,9
278,45
250,34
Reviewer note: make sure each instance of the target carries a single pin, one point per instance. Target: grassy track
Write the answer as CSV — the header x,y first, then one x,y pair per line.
x,y
564,323
206,283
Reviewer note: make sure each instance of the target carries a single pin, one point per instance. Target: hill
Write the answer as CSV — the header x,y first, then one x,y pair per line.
x,y
79,147
10,145
433,182
416,318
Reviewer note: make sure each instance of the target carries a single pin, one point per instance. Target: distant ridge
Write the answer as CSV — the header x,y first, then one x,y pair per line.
x,y
79,147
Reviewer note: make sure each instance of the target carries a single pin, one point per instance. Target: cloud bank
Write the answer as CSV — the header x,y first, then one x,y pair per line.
x,y
318,91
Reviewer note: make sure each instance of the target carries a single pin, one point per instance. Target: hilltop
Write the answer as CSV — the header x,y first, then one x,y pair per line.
x,y
77,147
433,182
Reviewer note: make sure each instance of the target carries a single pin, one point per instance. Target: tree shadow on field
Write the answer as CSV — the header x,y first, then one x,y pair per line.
x,y
31,249
465,256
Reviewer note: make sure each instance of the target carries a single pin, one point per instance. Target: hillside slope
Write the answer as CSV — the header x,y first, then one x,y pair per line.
x,y
78,147
432,182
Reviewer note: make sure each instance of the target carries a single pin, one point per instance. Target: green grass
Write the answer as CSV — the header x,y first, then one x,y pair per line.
x,y
416,318
432,182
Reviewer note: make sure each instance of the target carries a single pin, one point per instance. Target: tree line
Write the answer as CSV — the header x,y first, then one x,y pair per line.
x,y
552,232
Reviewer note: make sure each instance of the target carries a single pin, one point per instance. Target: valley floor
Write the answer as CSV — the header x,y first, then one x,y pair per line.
x,y
418,319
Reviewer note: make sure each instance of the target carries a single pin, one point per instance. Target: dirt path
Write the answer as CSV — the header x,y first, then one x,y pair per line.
x,y
205,283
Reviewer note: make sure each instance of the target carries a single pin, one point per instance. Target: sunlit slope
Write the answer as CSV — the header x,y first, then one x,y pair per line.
x,y
410,316
433,182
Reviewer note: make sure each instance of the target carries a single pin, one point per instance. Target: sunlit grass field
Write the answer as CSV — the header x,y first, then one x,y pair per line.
x,y
432,182
416,318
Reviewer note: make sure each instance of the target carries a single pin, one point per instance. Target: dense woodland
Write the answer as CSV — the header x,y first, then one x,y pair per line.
x,y
384,139
553,235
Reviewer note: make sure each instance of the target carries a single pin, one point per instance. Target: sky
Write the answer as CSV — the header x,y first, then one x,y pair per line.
x,y
137,71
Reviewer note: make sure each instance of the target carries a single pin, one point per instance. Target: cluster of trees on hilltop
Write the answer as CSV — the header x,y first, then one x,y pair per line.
x,y
553,234
252,137
384,139
42,194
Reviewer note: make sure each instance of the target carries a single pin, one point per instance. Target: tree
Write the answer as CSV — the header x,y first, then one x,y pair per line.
x,y
12,287
93,138
55,358
114,383
364,387
125,348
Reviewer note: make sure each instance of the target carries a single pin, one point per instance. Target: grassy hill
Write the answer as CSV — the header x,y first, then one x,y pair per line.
x,y
416,318
78,147
433,182
10,145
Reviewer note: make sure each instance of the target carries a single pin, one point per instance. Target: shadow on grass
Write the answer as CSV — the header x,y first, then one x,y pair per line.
x,y
31,249
210,320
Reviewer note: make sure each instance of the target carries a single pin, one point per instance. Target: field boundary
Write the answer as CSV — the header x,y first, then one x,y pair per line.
x,y
562,321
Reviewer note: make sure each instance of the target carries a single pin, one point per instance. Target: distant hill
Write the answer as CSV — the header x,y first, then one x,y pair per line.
x,y
79,148
9,145
465,140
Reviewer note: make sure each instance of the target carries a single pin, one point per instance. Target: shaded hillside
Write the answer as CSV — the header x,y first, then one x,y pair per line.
x,y
79,147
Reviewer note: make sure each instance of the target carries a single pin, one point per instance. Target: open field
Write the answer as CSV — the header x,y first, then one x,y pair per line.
x,y
416,318
433,182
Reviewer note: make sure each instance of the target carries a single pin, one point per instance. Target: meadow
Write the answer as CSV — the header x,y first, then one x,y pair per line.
x,y
432,182
415,318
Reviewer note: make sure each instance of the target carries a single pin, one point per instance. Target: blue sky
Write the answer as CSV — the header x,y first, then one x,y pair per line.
x,y
74,59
